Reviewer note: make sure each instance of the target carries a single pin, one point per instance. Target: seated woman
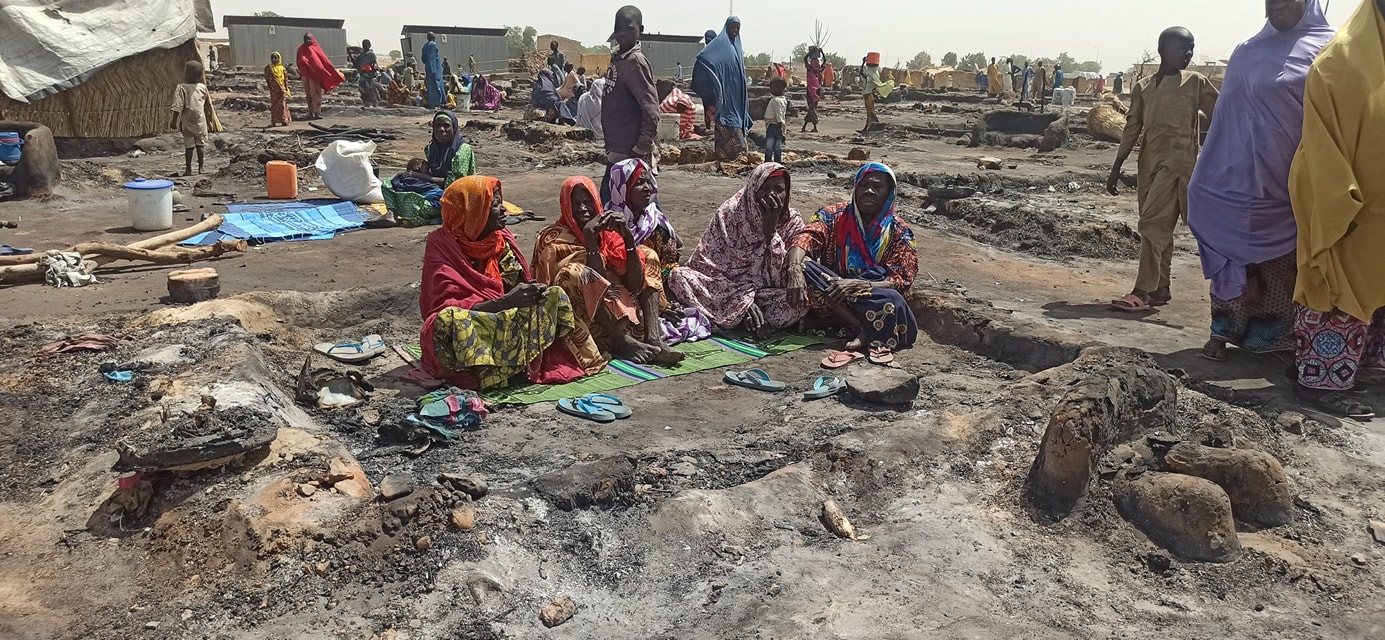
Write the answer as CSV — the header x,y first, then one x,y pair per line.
x,y
484,95
613,282
633,195
875,255
450,159
739,274
484,321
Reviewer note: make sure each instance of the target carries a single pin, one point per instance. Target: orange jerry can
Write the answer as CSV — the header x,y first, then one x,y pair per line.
x,y
281,178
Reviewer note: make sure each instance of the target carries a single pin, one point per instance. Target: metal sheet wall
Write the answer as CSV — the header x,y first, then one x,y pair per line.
x,y
665,56
492,53
251,44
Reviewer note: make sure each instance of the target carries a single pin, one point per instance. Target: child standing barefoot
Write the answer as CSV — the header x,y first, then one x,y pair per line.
x,y
776,118
189,114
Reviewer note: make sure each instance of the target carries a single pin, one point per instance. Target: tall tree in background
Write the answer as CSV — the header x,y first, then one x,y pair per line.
x,y
1019,60
977,61
921,61
759,60
799,52
521,40
1066,61
950,59
1090,65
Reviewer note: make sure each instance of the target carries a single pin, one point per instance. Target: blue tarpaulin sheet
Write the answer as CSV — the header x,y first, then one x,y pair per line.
x,y
258,223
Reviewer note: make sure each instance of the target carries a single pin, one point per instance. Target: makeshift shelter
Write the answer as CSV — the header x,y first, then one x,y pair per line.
x,y
254,38
457,44
98,70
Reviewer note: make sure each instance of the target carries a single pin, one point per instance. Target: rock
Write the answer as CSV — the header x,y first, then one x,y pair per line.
x,y
755,158
470,485
187,614
321,568
560,611
1254,480
882,385
151,625
670,155
424,543
1158,562
464,516
685,469
1055,137
306,490
1377,529
1292,422
858,154
599,483
1187,515
774,590
404,508
396,485
835,520
988,163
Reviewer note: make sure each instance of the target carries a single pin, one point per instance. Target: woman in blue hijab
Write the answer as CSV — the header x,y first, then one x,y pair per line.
x,y
719,79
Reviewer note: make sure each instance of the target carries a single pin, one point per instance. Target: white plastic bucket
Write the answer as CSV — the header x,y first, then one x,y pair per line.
x,y
151,204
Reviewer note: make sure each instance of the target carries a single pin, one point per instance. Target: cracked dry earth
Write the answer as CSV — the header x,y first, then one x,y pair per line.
x,y
701,516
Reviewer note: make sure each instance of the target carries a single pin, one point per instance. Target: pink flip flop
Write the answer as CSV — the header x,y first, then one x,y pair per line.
x,y
839,359
1130,304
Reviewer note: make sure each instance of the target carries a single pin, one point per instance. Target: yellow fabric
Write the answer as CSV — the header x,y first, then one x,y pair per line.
x,y
997,86
281,74
1336,183
875,85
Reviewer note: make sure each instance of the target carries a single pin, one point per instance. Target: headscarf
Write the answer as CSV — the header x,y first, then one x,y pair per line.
x,y
708,37
276,69
440,156
365,60
589,108
545,91
625,174
466,209
612,245
1238,199
864,247
734,245
1335,182
314,65
719,74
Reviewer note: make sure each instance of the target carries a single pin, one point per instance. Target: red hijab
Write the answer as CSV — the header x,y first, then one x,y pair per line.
x,y
313,64
466,209
612,245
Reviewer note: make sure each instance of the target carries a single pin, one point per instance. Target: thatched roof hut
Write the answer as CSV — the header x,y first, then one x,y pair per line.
x,y
107,71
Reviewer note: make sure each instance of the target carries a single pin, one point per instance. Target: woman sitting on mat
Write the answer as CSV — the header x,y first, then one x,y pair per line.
x,y
484,321
857,260
450,159
739,275
634,195
613,282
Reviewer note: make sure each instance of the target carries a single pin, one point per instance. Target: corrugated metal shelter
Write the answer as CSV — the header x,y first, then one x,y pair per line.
x,y
253,38
665,52
457,43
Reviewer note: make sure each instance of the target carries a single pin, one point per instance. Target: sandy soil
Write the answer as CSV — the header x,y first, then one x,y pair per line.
x,y
711,527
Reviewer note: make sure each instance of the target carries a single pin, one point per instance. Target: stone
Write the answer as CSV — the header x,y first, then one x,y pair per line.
x,y
560,611
774,590
306,490
1292,422
858,154
1187,515
600,483
151,625
1055,137
396,485
988,163
882,385
1254,480
1377,529
404,508
755,158
424,543
835,520
464,516
470,485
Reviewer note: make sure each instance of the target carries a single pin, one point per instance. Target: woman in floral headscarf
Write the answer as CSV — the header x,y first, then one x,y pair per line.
x,y
484,322
277,79
739,274
857,259
634,195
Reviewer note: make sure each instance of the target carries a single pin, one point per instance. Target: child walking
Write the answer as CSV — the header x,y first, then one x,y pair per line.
x,y
776,117
190,115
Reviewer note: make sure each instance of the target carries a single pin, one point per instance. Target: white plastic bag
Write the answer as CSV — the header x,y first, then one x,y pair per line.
x,y
345,169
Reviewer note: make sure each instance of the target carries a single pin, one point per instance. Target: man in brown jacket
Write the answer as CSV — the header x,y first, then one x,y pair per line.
x,y
630,108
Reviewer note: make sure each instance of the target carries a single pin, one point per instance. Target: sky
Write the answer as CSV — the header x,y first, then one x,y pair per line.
x,y
1114,32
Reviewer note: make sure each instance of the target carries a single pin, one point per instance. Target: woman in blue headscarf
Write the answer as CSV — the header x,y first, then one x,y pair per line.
x,y
1238,198
719,79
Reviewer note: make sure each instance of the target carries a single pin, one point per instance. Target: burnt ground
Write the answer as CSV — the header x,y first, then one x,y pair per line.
x,y
711,528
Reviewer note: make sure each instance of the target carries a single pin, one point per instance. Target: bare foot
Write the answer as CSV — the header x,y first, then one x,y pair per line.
x,y
856,345
668,357
635,351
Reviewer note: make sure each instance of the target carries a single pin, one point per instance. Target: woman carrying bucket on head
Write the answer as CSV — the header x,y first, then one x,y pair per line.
x,y
874,89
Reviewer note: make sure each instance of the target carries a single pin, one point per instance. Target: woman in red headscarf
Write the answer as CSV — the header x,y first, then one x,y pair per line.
x,y
484,321
318,73
594,258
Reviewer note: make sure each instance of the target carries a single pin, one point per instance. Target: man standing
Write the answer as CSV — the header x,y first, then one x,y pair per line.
x,y
994,79
1041,89
680,73
1058,76
630,109
1120,82
366,81
556,59
446,68
1164,119
471,63
432,73
1028,75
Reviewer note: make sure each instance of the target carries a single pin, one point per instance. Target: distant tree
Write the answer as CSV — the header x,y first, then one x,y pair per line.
x,y
950,59
800,52
837,61
597,48
1090,66
396,54
759,60
1065,61
521,40
921,61
976,61
266,14
1020,60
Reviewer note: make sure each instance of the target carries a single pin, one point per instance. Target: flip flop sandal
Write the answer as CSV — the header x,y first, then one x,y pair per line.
x,y
839,359
1337,404
1130,304
755,379
513,219
825,387
581,408
7,250
353,352
881,356
610,403
1215,353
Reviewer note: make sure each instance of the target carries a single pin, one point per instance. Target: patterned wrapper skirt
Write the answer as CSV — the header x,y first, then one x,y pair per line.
x,y
886,320
1264,322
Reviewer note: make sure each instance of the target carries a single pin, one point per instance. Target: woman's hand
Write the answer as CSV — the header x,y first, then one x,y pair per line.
x,y
798,288
844,290
527,294
755,319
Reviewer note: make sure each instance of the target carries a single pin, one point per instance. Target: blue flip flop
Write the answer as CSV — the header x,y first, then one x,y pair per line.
x,y
825,387
756,379
582,408
7,250
610,403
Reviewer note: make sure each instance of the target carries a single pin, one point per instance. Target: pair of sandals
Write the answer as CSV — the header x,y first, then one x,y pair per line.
x,y
1132,303
597,407
838,359
759,380
353,352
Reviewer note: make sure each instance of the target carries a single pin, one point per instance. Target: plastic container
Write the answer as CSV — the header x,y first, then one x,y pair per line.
x,y
873,58
281,178
11,147
151,204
